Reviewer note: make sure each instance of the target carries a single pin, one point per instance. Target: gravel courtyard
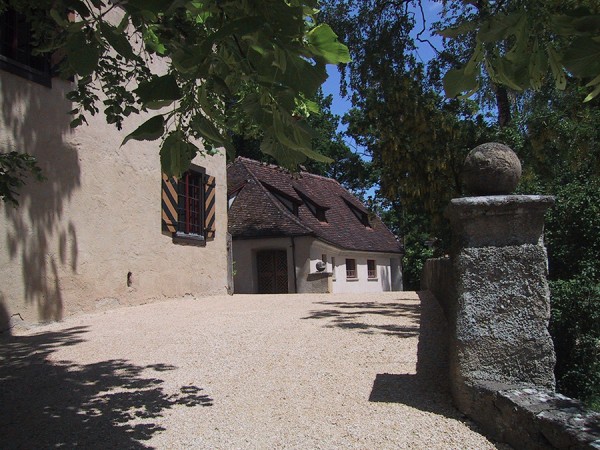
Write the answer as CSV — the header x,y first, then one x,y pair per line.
x,y
247,372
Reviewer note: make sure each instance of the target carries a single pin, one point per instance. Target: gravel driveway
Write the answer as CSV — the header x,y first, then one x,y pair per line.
x,y
247,372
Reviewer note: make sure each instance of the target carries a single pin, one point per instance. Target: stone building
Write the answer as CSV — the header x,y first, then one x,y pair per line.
x,y
104,228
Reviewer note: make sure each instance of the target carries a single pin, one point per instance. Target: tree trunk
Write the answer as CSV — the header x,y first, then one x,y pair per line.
x,y
504,115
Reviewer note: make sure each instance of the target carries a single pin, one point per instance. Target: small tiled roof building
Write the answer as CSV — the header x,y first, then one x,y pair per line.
x,y
305,233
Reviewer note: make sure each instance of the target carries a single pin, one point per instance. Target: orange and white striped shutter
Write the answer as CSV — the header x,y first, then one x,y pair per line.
x,y
209,206
169,203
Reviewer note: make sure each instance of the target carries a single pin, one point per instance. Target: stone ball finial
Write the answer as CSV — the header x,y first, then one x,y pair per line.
x,y
491,169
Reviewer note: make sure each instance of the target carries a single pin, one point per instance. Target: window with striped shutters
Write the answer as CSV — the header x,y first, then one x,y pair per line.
x,y
188,207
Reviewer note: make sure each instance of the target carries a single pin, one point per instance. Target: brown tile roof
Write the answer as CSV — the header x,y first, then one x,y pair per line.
x,y
257,211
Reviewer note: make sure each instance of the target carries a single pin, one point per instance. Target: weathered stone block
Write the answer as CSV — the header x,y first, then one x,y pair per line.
x,y
497,220
502,314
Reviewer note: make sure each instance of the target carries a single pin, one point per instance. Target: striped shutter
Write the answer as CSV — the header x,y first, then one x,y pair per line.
x,y
169,204
209,206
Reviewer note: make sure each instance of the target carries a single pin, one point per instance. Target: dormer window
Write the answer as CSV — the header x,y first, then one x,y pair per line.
x,y
287,202
316,210
291,204
362,216
230,199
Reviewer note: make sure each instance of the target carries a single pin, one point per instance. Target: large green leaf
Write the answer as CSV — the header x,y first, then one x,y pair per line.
x,y
458,31
572,25
582,58
324,42
301,75
239,27
158,89
208,131
592,95
150,130
499,27
538,66
514,75
456,81
560,79
82,54
117,40
188,60
176,154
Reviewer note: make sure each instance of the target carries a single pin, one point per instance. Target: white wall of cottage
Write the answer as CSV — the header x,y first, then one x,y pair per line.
x,y
303,254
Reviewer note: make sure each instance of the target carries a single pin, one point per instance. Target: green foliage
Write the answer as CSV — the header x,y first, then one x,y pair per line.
x,y
575,329
346,166
573,230
416,138
14,169
560,153
221,61
520,44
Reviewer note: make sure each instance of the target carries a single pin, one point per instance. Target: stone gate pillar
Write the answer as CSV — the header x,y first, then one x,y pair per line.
x,y
500,313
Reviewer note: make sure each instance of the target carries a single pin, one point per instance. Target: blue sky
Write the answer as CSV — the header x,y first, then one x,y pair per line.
x,y
431,9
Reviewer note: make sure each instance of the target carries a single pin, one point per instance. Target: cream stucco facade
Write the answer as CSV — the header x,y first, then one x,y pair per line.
x,y
303,253
89,236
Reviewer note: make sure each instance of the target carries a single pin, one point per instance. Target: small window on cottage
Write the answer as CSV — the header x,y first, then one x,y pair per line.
x,y
371,269
333,267
351,269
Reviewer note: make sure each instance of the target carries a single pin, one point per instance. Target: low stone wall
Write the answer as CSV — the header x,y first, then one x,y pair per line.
x,y
534,419
437,279
318,283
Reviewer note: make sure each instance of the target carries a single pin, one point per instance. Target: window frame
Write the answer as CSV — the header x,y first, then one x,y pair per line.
x,y
371,272
191,207
14,37
351,274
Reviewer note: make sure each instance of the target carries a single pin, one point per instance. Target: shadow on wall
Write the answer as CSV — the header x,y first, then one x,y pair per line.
x,y
363,317
109,404
4,317
386,283
38,121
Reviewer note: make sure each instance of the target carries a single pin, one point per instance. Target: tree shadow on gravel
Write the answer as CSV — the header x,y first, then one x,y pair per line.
x,y
352,316
109,404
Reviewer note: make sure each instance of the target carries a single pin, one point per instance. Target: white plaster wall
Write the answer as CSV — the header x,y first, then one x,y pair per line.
x,y
308,251
385,274
245,279
73,239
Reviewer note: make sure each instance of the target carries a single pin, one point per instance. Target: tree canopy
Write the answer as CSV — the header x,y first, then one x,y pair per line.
x,y
519,44
257,63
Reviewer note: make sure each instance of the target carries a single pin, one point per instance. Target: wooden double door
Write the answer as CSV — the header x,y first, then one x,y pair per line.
x,y
272,271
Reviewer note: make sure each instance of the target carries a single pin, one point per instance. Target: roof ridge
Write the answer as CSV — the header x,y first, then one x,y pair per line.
x,y
283,169
323,177
260,163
